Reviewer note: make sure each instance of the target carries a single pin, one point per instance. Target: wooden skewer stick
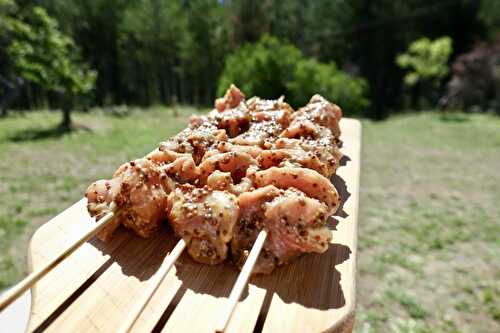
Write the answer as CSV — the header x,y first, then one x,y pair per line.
x,y
153,286
12,294
241,282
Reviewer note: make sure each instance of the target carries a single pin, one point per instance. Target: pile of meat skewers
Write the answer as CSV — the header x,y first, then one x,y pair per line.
x,y
248,165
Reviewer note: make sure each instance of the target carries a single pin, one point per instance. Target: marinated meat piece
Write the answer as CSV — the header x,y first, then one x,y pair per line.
x,y
231,99
321,112
243,186
225,147
233,121
100,201
303,128
138,193
294,157
270,110
204,218
251,221
235,163
327,153
269,119
183,170
195,140
306,180
221,181
180,167
295,225
259,134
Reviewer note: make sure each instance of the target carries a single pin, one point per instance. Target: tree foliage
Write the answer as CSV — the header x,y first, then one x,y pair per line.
x,y
476,78
261,69
153,41
312,77
426,60
45,56
270,68
489,14
150,51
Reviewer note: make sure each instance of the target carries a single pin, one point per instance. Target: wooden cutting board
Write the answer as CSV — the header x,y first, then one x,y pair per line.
x,y
95,288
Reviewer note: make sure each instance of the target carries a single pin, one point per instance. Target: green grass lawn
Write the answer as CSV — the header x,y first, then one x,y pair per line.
x,y
429,236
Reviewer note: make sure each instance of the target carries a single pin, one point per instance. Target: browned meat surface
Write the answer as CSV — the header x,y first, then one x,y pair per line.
x,y
204,218
234,121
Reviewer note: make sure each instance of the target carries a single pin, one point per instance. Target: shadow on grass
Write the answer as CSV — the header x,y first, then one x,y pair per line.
x,y
33,134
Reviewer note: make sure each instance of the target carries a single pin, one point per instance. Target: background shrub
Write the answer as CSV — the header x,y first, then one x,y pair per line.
x,y
271,68
476,79
312,77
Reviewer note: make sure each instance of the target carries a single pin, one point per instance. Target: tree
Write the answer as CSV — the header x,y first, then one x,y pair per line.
x,y
147,51
9,85
153,34
426,62
95,28
45,56
489,14
475,82
208,45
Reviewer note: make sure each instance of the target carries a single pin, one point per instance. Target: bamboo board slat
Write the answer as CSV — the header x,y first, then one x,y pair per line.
x,y
95,288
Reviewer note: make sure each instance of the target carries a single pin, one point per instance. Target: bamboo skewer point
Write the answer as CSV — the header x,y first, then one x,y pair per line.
x,y
153,286
241,282
12,294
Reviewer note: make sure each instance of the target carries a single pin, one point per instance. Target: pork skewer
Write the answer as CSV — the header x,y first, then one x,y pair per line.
x,y
241,282
12,294
153,286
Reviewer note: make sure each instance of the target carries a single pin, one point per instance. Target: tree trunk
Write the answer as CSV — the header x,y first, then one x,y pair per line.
x,y
67,106
3,111
66,119
12,91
